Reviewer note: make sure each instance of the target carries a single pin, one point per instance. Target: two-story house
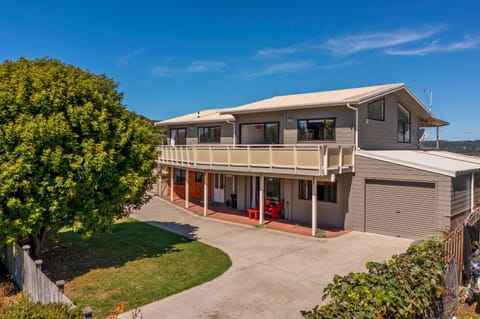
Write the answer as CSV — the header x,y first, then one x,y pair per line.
x,y
344,159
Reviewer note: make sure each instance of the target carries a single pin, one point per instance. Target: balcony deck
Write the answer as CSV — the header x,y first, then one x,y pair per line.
x,y
297,159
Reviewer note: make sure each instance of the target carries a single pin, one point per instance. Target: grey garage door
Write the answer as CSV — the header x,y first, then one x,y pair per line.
x,y
402,209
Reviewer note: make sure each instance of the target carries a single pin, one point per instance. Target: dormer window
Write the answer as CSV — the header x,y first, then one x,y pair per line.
x,y
403,124
376,110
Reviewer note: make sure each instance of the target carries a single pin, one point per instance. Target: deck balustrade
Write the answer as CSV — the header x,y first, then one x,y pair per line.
x,y
302,159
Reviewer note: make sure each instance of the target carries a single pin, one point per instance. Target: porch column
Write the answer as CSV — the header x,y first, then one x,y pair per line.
x,y
171,183
437,144
262,199
472,192
314,206
187,188
205,193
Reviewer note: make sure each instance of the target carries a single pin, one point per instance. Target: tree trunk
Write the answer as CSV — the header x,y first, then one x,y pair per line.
x,y
36,241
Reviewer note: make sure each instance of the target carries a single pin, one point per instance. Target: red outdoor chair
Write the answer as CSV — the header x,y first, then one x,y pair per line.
x,y
274,210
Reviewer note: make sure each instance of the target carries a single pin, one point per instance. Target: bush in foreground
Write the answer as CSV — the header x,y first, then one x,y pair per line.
x,y
402,288
24,309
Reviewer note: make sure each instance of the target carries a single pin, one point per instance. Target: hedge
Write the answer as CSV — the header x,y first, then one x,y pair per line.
x,y
402,288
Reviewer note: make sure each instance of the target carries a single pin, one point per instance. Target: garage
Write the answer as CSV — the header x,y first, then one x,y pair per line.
x,y
400,208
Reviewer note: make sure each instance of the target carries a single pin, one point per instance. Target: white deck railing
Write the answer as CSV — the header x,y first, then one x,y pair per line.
x,y
318,159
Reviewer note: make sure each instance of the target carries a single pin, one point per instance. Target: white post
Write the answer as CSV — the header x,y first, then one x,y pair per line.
x,y
205,193
314,206
187,188
171,183
262,199
472,192
437,144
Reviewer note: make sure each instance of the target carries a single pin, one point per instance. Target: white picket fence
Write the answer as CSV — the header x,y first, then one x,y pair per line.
x,y
28,276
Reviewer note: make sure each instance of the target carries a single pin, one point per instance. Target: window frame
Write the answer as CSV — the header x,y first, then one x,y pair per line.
x,y
209,127
369,116
264,130
404,140
327,192
198,177
179,176
176,129
325,119
305,191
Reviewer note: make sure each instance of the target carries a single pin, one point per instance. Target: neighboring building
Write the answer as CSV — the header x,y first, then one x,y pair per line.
x,y
343,159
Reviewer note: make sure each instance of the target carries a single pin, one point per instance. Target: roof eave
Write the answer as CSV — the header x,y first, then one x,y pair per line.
x,y
291,107
380,94
166,122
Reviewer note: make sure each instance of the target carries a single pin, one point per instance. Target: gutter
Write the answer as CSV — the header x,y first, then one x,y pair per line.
x,y
356,124
234,135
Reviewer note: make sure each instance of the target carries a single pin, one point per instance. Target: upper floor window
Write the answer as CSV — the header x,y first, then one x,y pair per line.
x,y
326,191
259,133
403,129
316,130
178,136
376,110
460,183
209,134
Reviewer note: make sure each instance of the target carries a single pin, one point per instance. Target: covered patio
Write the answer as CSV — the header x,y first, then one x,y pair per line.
x,y
227,213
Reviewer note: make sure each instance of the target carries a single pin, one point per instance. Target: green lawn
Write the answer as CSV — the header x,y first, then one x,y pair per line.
x,y
135,264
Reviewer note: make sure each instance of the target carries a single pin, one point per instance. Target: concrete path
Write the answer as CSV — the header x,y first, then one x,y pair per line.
x,y
274,275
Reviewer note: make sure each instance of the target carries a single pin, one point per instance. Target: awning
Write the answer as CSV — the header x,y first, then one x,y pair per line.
x,y
432,122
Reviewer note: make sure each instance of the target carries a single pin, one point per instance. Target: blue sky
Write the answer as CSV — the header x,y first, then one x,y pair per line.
x,y
176,57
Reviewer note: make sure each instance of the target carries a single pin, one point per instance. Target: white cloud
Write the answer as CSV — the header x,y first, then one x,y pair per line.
x,y
123,61
377,40
194,67
205,66
435,46
284,68
277,52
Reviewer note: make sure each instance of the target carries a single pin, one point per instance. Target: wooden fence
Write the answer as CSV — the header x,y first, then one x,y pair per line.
x,y
28,276
453,242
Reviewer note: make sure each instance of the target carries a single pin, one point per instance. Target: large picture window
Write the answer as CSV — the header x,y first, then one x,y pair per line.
x,y
259,133
179,176
326,191
316,130
376,110
403,124
209,134
178,136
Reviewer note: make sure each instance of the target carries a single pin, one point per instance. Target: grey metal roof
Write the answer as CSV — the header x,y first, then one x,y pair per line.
x,y
440,162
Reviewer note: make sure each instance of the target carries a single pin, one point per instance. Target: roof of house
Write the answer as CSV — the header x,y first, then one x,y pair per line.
x,y
316,99
353,96
444,163
205,116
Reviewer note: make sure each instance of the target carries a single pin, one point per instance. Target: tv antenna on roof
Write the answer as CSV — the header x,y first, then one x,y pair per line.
x,y
430,93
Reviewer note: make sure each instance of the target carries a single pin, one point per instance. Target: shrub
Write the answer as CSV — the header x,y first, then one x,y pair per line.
x,y
25,309
402,288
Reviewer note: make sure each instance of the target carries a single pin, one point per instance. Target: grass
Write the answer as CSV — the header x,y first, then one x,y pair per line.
x,y
133,265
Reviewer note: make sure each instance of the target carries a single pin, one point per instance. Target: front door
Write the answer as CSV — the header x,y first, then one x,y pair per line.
x,y
219,188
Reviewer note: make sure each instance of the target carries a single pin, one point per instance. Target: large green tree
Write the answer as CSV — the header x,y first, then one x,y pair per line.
x,y
71,155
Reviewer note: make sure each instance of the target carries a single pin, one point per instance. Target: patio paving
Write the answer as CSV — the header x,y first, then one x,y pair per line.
x,y
273,274
230,214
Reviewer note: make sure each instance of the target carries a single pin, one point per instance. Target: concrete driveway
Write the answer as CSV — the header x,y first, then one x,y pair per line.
x,y
274,275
